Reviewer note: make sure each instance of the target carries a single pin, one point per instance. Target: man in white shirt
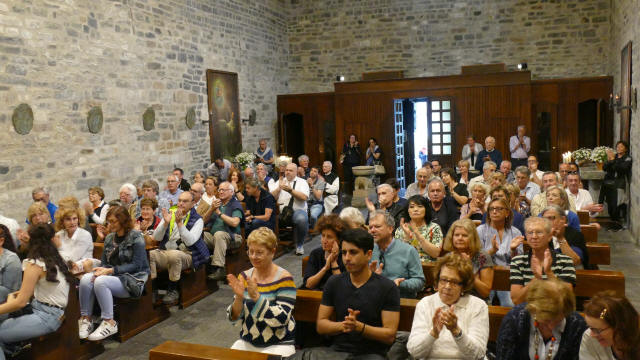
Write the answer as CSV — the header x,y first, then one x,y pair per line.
x,y
488,168
290,187
471,150
519,145
581,197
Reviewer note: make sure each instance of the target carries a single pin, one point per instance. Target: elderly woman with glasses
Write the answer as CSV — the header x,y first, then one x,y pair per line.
x,y
556,195
545,327
450,324
264,297
613,331
476,207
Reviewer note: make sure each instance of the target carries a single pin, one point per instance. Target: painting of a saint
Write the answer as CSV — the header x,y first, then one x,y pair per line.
x,y
222,89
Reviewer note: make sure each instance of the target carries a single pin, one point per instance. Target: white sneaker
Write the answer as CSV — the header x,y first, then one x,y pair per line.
x,y
300,250
85,325
103,331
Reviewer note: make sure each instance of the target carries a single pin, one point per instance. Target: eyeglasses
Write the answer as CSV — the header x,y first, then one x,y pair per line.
x,y
598,331
496,209
452,282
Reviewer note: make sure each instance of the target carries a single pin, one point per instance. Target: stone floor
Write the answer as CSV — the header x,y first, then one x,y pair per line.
x,y
205,322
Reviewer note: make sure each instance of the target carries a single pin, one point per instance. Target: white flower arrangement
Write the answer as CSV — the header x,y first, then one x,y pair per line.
x,y
582,154
244,159
599,154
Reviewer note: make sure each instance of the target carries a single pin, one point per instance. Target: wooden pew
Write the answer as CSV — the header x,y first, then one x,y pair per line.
x,y
194,286
63,343
599,253
583,216
590,233
308,301
135,315
173,350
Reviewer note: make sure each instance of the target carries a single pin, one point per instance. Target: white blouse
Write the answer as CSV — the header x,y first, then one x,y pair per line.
x,y
208,199
473,320
52,293
590,349
77,247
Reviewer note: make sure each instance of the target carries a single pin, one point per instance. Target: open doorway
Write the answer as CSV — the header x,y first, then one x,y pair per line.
x,y
423,132
291,127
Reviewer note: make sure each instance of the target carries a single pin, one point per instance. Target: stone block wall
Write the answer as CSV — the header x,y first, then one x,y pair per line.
x,y
625,27
565,38
64,57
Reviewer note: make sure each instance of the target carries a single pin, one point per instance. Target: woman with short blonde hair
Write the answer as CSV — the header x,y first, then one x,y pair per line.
x,y
546,326
76,243
556,195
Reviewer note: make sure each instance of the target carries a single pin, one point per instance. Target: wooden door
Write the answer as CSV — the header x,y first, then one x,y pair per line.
x,y
545,135
441,131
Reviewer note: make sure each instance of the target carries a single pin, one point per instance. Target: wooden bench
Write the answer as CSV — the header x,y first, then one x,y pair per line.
x,y
590,233
63,343
308,302
173,350
599,253
583,216
135,315
194,286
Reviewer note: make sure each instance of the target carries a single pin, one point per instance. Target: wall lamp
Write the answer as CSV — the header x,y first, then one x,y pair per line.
x,y
340,78
522,66
615,101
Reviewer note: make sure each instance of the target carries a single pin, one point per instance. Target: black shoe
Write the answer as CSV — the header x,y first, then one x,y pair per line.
x,y
171,298
218,275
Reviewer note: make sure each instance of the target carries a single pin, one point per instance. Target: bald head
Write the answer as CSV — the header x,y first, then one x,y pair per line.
x,y
290,171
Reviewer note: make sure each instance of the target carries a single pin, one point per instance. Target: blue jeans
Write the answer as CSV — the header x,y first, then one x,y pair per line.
x,y
44,320
503,296
316,210
254,224
300,226
103,287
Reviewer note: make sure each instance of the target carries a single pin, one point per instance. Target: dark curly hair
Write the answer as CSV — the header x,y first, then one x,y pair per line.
x,y
42,248
331,222
8,239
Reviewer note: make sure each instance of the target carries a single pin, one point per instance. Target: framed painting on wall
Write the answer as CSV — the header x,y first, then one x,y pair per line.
x,y
224,114
625,92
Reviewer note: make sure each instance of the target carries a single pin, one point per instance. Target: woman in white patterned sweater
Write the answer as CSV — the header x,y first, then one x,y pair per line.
x,y
264,297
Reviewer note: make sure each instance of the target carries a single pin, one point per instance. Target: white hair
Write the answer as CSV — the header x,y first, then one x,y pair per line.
x,y
303,157
129,186
486,165
329,163
352,214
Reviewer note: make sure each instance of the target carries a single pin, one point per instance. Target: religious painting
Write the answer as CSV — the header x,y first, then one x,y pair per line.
x,y
224,114
625,92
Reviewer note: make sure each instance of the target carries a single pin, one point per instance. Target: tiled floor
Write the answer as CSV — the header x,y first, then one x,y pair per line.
x,y
205,322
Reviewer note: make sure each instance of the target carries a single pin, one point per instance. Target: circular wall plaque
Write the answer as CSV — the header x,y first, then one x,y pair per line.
x,y
149,119
22,119
94,119
191,117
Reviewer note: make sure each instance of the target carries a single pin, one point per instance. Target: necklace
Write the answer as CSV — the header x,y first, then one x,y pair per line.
x,y
537,343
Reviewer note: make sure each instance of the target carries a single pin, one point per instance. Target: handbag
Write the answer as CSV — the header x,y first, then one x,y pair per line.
x,y
379,168
285,218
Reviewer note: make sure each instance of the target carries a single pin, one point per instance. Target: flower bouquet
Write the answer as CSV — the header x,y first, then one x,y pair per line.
x,y
244,159
581,156
599,154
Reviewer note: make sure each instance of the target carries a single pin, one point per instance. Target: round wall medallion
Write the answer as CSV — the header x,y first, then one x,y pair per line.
x,y
191,117
94,119
149,119
22,119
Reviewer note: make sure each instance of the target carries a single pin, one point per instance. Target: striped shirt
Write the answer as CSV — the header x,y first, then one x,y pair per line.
x,y
520,272
269,320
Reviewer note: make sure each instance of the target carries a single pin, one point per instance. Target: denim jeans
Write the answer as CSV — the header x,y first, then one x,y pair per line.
x,y
503,296
254,224
300,226
103,287
316,210
44,320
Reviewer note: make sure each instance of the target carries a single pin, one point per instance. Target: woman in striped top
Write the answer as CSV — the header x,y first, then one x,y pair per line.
x,y
264,297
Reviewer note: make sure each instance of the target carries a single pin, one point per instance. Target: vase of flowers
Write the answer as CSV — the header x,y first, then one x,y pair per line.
x,y
581,156
244,159
599,156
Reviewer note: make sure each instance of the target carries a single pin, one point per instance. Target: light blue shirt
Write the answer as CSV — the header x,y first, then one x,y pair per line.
x,y
532,189
401,260
502,257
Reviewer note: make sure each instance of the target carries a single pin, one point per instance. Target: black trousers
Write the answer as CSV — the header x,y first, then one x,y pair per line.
x,y
609,194
517,162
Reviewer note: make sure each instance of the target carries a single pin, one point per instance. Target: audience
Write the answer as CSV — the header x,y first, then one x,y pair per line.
x,y
581,197
353,218
198,177
444,210
181,245
502,192
263,299
566,240
546,326
325,260
331,188
148,221
202,207
528,190
615,190
350,157
556,195
303,167
501,240
385,202
505,169
226,227
475,208
76,243
612,329
420,186
488,168
10,269
436,167
128,194
373,153
539,201
496,179
41,194
360,310
420,232
150,190
96,209
264,155
463,239
123,273
463,168
262,173
470,152
316,192
458,191
47,279
236,181
540,262
395,260
260,207
36,210
490,153
290,190
450,324
536,174
210,190
183,183
219,169
519,146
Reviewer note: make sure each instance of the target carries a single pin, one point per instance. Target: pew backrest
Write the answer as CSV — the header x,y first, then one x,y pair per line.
x,y
174,350
590,233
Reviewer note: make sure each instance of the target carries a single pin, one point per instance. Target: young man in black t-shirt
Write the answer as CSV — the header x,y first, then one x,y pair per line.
x,y
366,306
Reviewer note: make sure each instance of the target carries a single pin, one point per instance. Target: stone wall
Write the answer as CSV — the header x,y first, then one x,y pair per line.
x,y
63,57
564,38
625,27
